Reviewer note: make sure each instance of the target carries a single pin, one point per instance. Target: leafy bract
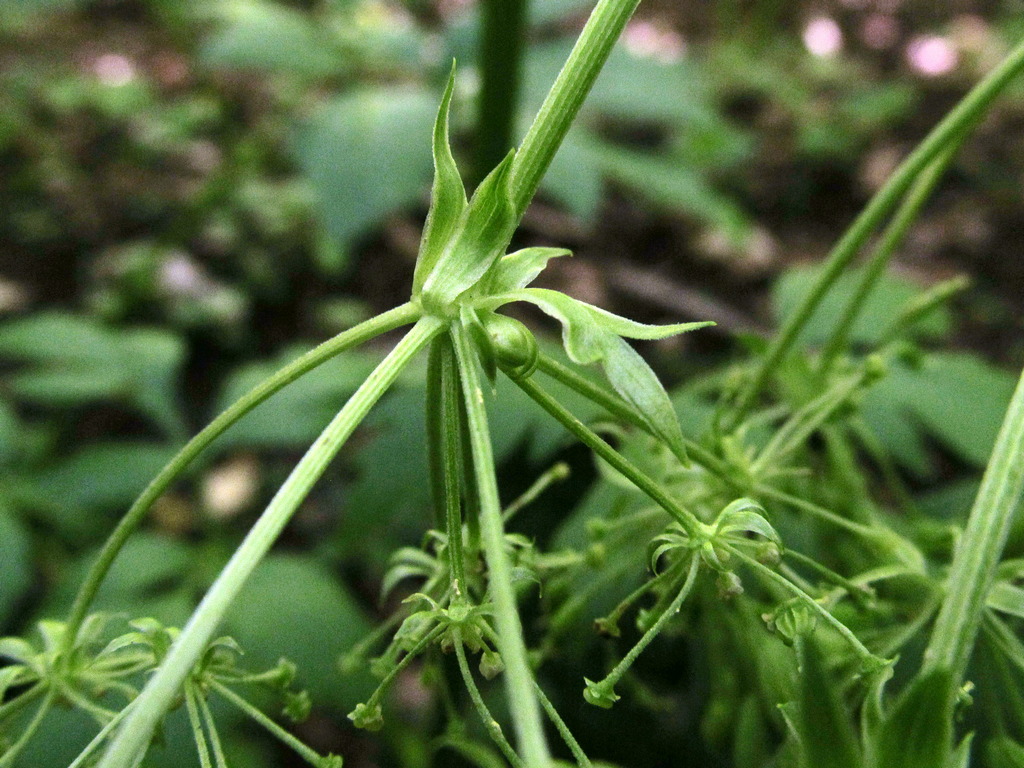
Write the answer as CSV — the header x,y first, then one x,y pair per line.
x,y
918,730
826,734
447,197
477,241
514,271
592,335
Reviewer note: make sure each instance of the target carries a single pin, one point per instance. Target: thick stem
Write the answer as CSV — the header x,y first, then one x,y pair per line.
x,y
980,547
522,698
949,131
353,337
159,693
566,96
502,41
445,452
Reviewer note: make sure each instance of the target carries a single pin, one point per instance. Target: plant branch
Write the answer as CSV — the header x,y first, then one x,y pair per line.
x,y
619,462
522,698
566,96
355,336
947,132
160,691
980,547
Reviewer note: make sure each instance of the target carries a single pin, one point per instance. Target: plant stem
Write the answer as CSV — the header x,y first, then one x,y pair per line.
x,y
522,699
159,693
445,451
980,547
599,446
671,610
892,238
305,752
563,730
492,726
359,334
948,131
501,56
7,758
566,96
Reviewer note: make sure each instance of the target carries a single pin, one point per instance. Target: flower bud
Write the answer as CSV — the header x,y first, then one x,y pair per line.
x,y
513,344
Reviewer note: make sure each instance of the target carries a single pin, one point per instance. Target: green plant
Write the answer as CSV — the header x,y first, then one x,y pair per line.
x,y
736,501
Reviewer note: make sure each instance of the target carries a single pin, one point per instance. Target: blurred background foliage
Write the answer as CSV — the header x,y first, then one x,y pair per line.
x,y
193,193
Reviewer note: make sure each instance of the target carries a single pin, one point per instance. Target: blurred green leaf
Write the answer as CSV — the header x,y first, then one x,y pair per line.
x,y
72,360
15,555
1004,752
955,397
826,733
367,154
292,606
269,37
298,413
890,295
917,732
74,492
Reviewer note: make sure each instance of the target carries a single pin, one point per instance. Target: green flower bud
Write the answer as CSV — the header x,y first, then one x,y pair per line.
x,y
599,694
491,664
514,345
367,718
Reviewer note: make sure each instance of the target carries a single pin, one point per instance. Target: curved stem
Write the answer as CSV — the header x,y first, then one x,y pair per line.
x,y
949,130
599,446
522,698
492,726
160,691
980,547
563,730
892,238
8,757
566,96
671,610
359,334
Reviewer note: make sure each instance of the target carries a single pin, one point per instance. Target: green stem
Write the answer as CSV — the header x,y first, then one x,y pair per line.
x,y
556,474
303,751
421,645
809,601
445,451
361,333
197,727
563,730
492,726
619,462
671,610
8,757
948,131
162,688
518,678
219,759
501,56
566,96
981,546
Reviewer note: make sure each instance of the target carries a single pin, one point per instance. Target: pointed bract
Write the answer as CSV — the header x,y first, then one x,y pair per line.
x,y
447,197
480,238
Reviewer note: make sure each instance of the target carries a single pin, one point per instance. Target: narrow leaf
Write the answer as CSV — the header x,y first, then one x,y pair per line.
x,y
827,737
918,731
447,197
1006,598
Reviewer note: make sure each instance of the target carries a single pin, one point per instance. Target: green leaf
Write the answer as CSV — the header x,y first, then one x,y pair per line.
x,y
447,197
481,237
827,737
890,295
269,37
593,335
71,360
354,142
918,730
1004,752
954,397
515,271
